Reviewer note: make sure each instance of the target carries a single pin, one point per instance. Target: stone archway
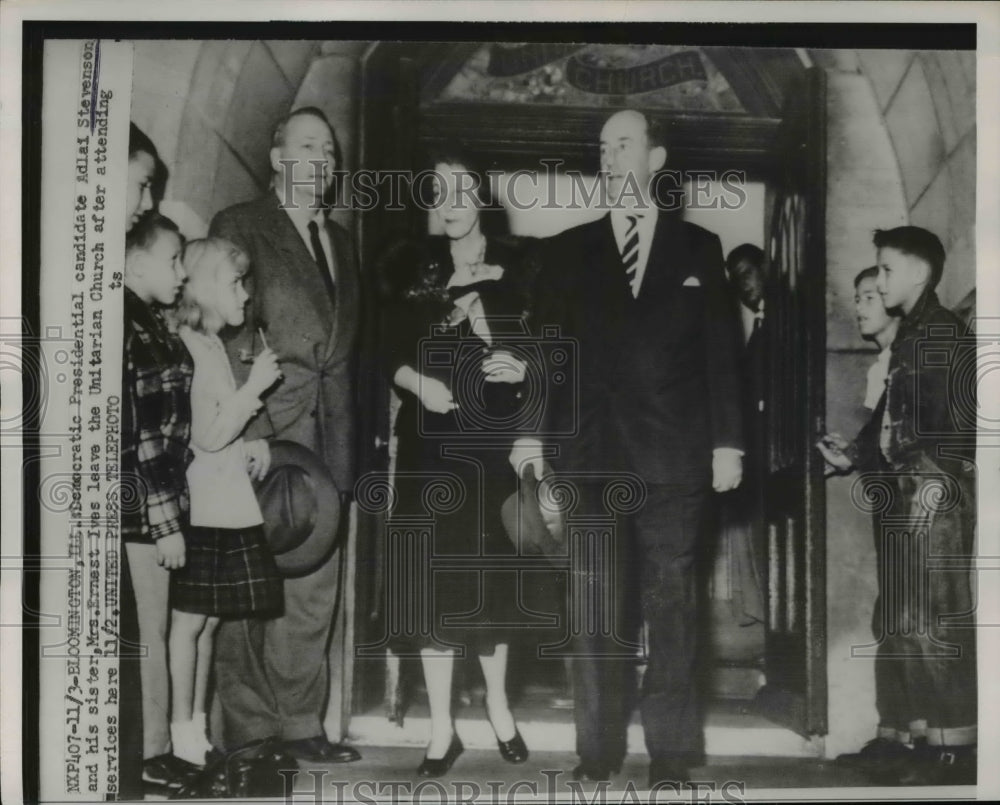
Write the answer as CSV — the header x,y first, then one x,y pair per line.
x,y
210,106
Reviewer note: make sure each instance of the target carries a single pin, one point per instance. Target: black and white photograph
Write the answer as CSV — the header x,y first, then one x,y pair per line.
x,y
455,402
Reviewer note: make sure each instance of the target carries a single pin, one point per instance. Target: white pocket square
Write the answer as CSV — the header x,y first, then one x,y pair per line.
x,y
692,282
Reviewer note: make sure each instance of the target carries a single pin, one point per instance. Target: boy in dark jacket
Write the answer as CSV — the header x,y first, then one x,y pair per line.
x,y
926,444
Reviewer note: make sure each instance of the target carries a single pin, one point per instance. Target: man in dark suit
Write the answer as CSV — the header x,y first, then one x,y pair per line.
x,y
274,676
643,296
743,511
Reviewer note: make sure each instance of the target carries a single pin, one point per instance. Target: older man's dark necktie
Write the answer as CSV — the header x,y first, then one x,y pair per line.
x,y
321,263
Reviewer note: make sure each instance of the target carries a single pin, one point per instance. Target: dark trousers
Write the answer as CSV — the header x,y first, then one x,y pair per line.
x,y
925,615
602,619
657,546
891,700
668,531
273,676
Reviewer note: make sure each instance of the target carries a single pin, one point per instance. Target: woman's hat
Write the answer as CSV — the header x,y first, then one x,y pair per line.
x,y
530,529
300,504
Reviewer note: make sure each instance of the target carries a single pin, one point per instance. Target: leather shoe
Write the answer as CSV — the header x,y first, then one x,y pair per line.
x,y
876,753
435,767
168,771
255,770
668,774
319,750
514,750
594,772
940,765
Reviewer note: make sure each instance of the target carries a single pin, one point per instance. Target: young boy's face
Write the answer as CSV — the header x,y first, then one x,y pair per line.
x,y
230,295
138,198
871,312
158,270
901,277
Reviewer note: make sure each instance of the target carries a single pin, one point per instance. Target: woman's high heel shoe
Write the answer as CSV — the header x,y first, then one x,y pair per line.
x,y
435,767
514,750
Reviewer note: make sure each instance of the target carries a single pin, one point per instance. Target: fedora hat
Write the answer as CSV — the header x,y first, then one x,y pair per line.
x,y
300,504
524,522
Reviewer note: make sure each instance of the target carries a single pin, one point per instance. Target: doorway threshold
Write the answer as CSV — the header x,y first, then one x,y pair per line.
x,y
730,730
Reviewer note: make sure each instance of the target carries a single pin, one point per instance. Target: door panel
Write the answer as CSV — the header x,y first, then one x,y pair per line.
x,y
389,108
794,503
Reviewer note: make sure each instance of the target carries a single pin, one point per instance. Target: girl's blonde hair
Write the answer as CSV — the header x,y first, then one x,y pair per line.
x,y
202,261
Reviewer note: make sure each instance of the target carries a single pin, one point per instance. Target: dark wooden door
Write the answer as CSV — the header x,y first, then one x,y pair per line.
x,y
793,489
388,122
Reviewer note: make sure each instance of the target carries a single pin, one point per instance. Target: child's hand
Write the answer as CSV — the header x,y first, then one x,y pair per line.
x,y
832,447
264,372
258,456
524,452
170,551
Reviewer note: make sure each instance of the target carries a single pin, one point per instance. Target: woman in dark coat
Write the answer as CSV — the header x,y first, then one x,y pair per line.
x,y
455,359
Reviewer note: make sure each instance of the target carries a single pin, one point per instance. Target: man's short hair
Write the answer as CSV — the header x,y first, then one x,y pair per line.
x,y
870,273
138,143
917,242
278,135
144,234
748,253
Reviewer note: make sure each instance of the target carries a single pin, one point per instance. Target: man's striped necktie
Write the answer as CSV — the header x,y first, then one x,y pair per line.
x,y
630,253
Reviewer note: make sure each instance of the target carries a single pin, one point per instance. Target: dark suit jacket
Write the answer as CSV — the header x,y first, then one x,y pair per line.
x,y
657,380
314,338
754,378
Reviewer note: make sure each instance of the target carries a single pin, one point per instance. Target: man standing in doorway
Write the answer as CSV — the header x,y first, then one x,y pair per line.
x,y
273,676
644,297
743,511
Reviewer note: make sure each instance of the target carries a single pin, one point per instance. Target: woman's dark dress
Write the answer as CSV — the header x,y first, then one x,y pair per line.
x,y
474,604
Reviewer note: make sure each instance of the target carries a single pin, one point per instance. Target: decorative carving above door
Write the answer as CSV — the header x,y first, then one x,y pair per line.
x,y
668,77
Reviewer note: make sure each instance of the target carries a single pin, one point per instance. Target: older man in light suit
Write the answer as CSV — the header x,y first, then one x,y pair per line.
x,y
273,676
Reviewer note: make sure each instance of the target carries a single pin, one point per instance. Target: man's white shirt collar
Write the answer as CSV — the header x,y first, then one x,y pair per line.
x,y
301,225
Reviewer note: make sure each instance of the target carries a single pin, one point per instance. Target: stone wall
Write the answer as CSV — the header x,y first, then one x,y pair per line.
x,y
901,150
210,107
926,101
929,103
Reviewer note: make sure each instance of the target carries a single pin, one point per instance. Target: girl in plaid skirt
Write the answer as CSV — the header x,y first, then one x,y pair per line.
x,y
229,572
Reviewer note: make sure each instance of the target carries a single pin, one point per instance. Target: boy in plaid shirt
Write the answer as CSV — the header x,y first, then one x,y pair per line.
x,y
156,384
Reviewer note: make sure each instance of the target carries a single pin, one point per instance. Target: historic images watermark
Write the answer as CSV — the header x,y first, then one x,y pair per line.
x,y
325,788
547,188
